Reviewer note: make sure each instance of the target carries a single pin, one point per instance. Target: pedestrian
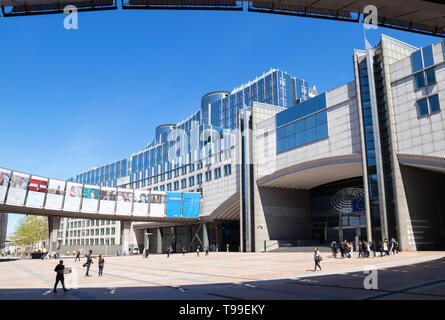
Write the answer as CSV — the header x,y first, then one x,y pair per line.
x,y
227,247
373,247
317,258
60,269
77,255
217,249
168,252
100,263
88,263
342,250
197,251
207,250
396,246
359,245
385,247
183,250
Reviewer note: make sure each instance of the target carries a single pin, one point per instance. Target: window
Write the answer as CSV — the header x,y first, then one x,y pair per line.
x,y
108,231
87,232
422,107
217,173
434,103
227,169
102,231
102,222
101,242
184,170
176,185
169,187
199,178
419,80
208,175
96,242
191,181
192,167
416,61
183,183
430,76
428,59
162,188
97,232
112,241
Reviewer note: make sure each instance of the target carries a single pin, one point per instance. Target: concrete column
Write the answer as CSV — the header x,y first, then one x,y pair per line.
x,y
158,241
205,236
3,229
53,228
125,226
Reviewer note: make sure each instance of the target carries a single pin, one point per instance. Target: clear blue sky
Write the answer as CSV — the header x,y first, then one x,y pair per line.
x,y
75,99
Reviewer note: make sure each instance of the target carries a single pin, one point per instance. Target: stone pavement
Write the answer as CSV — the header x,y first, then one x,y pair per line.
x,y
270,276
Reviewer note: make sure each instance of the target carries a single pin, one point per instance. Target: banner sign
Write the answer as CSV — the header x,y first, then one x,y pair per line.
x,y
17,190
90,199
5,176
124,201
191,202
157,201
140,205
174,204
73,196
54,197
107,196
36,192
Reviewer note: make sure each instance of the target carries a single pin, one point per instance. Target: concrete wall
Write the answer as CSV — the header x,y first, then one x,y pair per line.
x,y
426,204
425,135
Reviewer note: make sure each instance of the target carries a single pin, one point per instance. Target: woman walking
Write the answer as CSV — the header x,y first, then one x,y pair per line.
x,y
100,263
317,258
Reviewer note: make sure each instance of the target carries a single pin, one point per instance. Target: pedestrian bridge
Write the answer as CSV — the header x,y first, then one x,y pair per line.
x,y
30,194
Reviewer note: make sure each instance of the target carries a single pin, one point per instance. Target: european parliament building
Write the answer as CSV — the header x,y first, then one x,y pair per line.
x,y
278,164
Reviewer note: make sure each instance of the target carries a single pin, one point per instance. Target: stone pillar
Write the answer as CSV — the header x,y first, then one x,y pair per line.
x,y
205,236
53,228
3,229
158,241
126,225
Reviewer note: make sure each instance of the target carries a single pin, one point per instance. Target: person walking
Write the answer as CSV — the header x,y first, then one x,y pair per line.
x,y
197,251
88,263
183,250
317,258
373,247
168,252
385,247
60,269
77,255
100,263
207,250
227,247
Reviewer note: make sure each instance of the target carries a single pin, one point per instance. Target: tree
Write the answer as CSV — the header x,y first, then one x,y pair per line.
x,y
31,229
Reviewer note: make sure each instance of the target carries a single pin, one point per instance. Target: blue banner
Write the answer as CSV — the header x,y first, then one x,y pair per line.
x,y
191,203
174,204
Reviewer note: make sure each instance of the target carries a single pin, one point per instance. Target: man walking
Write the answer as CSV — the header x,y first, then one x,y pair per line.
x,y
88,264
77,255
60,269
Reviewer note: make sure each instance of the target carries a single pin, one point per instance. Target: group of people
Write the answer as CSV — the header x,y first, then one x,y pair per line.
x,y
365,248
60,268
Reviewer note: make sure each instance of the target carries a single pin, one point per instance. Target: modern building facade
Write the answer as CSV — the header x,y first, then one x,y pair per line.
x,y
279,164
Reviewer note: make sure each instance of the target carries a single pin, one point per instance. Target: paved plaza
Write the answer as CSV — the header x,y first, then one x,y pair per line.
x,y
221,275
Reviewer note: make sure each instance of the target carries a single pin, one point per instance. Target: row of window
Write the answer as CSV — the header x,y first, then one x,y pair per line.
x,y
87,223
217,173
90,242
422,59
88,232
428,105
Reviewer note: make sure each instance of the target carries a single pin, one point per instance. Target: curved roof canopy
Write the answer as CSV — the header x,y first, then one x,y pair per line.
x,y
422,16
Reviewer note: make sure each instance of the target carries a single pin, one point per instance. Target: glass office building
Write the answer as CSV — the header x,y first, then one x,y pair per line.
x,y
219,112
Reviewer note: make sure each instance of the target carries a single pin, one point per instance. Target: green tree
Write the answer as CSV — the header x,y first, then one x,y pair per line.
x,y
31,229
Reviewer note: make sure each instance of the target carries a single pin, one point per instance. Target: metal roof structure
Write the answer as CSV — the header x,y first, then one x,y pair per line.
x,y
421,16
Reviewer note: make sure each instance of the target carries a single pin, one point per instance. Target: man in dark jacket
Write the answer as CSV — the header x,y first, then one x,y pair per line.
x,y
88,263
60,268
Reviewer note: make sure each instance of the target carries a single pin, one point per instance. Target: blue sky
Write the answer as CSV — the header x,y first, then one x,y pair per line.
x,y
75,99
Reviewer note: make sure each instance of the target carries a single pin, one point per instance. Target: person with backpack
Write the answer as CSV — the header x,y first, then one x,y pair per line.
x,y
317,258
77,256
100,263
